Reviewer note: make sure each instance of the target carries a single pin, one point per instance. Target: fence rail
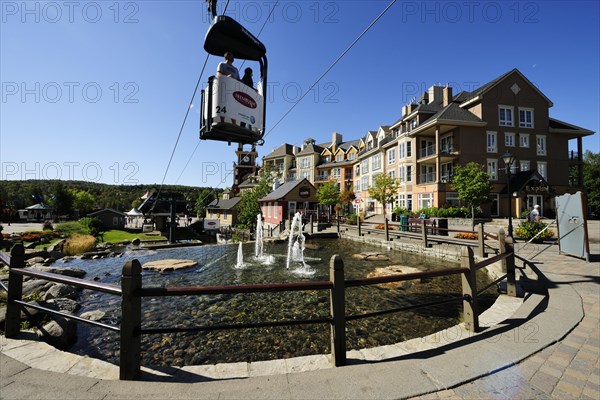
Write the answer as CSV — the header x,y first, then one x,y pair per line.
x,y
132,292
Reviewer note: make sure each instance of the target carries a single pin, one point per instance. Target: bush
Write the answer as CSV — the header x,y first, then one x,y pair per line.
x,y
528,230
71,228
48,225
79,244
93,226
470,236
400,211
351,219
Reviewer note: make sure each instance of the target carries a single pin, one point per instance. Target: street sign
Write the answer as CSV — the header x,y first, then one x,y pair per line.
x,y
356,201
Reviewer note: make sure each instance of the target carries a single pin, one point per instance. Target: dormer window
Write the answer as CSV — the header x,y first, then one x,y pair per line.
x,y
326,159
339,157
413,124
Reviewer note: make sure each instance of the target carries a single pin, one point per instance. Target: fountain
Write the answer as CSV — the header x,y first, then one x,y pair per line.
x,y
240,258
296,246
259,244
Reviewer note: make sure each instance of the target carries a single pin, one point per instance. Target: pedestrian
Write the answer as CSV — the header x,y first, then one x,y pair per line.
x,y
227,68
247,78
534,215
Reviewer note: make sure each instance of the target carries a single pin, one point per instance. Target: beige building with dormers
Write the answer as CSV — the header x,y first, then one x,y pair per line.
x,y
443,130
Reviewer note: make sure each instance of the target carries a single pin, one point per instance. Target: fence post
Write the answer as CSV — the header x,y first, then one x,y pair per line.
x,y
312,229
469,289
511,282
358,222
387,231
338,311
131,321
338,224
424,233
481,241
12,325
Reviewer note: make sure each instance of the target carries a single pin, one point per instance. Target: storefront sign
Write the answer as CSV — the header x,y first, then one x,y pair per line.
x,y
537,189
304,192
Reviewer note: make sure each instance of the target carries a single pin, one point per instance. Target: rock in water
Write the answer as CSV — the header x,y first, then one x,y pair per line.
x,y
371,256
61,333
394,270
169,265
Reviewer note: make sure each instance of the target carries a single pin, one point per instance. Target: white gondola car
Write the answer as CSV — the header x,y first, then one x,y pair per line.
x,y
232,111
231,107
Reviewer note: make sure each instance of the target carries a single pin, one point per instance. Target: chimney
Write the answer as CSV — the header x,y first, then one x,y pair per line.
x,y
294,149
447,95
410,108
435,94
404,110
336,138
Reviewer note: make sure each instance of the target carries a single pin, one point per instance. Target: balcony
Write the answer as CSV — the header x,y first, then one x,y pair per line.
x,y
322,177
427,178
449,149
427,151
573,156
446,178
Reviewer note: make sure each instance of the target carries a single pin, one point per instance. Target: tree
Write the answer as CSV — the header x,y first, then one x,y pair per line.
x,y
328,194
83,201
205,196
591,181
248,207
384,189
62,200
347,197
473,186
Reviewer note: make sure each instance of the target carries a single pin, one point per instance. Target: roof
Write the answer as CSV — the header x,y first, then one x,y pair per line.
x,y
347,145
223,204
284,189
565,127
110,210
134,212
334,164
310,149
453,112
284,149
39,206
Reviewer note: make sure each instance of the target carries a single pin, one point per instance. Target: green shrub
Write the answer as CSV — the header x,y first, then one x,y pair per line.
x,y
528,230
92,225
351,219
71,227
400,211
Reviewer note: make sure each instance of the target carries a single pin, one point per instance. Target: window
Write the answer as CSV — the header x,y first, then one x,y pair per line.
x,y
369,144
524,165
305,175
413,124
364,166
447,173
337,172
364,183
452,199
409,202
525,117
401,150
357,170
541,145
401,174
391,155
408,149
505,117
304,162
276,210
492,169
351,156
447,144
409,173
492,145
509,139
542,168
376,162
425,200
357,185
401,201
427,173
269,209
225,215
524,140
392,174
339,157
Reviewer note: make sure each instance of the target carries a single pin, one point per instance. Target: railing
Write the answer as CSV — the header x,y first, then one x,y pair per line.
x,y
573,155
132,292
446,178
427,178
427,151
449,149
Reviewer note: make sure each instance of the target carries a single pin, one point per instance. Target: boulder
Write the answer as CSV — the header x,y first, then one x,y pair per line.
x,y
312,246
63,304
60,333
169,265
30,245
371,256
136,241
60,290
395,270
35,260
33,286
73,272
95,315
57,246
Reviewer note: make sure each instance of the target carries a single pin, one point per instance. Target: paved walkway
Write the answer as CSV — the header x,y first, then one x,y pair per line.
x,y
549,348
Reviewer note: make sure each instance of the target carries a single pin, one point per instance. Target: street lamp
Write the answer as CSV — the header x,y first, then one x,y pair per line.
x,y
509,159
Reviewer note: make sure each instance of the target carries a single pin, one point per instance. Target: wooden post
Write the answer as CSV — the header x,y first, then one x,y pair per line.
x,y
502,247
481,241
312,228
338,223
424,233
131,321
337,303
511,282
387,231
358,222
469,289
12,325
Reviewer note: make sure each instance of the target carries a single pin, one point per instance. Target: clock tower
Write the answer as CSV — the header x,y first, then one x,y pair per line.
x,y
245,166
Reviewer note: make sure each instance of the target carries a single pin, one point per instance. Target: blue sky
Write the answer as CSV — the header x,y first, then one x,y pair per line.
x,y
98,90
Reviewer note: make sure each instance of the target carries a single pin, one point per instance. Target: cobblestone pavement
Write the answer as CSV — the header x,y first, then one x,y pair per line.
x,y
569,369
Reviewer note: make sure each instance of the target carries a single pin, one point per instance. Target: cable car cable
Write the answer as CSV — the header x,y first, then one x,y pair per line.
x,y
263,27
331,66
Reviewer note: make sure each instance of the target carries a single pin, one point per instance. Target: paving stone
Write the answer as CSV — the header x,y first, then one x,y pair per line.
x,y
544,382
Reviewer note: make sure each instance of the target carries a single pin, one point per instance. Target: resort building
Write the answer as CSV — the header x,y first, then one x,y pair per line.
x,y
285,200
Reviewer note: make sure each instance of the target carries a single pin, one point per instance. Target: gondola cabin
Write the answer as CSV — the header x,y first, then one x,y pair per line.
x,y
231,110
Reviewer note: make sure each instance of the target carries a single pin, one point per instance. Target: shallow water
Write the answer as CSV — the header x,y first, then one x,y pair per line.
x,y
216,266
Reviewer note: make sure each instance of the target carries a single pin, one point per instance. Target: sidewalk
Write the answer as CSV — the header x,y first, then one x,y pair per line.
x,y
549,348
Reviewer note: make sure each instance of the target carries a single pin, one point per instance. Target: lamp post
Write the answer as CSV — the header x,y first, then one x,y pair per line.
x,y
509,159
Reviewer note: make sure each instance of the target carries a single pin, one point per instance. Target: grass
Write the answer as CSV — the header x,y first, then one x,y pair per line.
x,y
116,236
79,244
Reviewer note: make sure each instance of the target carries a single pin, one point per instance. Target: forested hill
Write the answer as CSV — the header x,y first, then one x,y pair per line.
x,y
67,195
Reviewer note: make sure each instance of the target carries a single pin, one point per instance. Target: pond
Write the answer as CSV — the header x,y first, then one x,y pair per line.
x,y
217,266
